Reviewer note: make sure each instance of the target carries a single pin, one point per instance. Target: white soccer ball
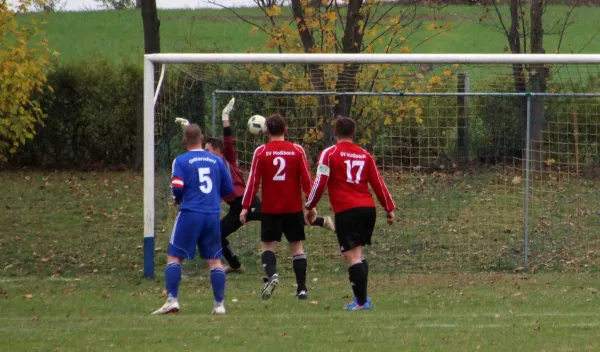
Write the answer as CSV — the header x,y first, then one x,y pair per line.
x,y
257,125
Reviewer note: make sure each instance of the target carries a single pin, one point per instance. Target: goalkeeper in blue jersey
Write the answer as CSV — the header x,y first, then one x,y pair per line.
x,y
199,181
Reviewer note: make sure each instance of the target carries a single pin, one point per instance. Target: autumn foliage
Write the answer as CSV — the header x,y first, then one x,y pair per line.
x,y
352,27
24,57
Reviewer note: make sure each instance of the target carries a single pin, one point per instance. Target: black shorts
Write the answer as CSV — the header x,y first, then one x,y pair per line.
x,y
354,227
230,223
290,225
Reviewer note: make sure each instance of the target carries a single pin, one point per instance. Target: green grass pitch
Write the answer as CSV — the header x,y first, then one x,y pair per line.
x,y
70,268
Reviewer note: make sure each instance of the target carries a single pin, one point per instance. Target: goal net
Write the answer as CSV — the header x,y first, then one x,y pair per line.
x,y
492,160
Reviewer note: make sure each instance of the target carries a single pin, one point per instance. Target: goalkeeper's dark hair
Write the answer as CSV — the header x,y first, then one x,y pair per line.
x,y
215,143
276,125
345,127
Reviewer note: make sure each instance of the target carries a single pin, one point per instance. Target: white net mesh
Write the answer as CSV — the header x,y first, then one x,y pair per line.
x,y
450,141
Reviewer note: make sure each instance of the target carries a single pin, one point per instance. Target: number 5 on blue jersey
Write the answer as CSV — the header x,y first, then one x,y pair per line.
x,y
199,181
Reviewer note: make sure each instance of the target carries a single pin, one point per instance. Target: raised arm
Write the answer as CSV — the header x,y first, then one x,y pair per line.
x,y
229,151
321,180
253,180
378,186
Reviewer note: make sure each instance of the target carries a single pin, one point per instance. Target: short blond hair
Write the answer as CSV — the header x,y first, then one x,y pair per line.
x,y
192,135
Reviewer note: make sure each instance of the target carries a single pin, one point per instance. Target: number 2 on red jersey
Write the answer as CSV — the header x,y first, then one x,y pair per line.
x,y
280,174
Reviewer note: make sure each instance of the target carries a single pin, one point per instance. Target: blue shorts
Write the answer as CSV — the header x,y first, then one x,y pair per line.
x,y
193,229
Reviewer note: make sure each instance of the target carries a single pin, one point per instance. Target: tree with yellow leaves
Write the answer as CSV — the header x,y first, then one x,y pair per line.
x,y
24,56
349,26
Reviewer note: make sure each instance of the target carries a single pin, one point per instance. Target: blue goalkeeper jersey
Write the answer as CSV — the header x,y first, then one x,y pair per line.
x,y
199,181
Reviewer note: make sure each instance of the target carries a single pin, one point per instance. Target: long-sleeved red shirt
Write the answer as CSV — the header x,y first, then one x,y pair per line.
x,y
348,170
284,172
231,161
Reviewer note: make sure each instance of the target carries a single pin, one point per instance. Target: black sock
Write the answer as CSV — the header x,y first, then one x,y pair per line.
x,y
358,281
269,262
300,266
230,256
364,261
320,221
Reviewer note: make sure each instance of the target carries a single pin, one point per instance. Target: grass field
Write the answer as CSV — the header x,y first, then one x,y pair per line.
x,y
117,35
71,258
446,223
489,312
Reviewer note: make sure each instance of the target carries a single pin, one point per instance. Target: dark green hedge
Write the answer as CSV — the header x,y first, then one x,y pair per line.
x,y
90,116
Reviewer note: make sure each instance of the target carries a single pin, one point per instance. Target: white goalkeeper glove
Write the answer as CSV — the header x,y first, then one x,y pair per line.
x,y
227,110
183,122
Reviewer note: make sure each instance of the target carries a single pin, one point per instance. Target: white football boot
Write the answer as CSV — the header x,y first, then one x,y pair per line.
x,y
171,306
219,308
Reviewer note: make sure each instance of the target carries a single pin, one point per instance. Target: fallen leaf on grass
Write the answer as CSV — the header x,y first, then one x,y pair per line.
x,y
314,303
234,300
137,293
35,318
516,180
516,294
106,295
284,335
28,296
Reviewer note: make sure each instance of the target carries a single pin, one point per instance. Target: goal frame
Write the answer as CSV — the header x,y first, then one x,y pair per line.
x,y
152,60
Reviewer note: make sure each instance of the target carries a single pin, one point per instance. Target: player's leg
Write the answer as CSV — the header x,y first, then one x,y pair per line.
x,y
325,222
217,281
368,226
254,214
209,244
229,224
272,226
293,228
349,229
181,245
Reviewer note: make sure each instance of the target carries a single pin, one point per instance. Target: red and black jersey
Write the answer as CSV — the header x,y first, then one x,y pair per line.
x,y
231,161
348,170
283,170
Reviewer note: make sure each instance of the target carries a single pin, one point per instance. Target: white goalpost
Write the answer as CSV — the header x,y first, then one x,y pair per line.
x,y
472,192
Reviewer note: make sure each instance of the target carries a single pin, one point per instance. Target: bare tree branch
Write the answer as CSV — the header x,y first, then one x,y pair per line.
x,y
523,27
429,38
565,26
500,18
397,26
239,16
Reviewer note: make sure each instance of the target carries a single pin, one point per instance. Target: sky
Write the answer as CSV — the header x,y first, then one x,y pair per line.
x,y
81,5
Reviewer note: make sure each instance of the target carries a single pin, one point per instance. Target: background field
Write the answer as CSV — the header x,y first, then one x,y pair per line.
x,y
446,276
117,35
70,260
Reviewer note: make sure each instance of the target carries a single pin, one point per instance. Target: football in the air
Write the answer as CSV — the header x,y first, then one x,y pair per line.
x,y
257,125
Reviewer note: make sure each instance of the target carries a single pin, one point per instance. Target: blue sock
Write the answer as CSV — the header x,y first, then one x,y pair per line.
x,y
217,279
173,278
